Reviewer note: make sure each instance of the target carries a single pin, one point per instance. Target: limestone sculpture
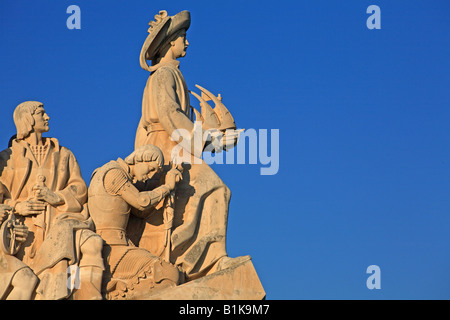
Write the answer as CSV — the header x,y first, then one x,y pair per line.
x,y
48,195
130,270
151,226
201,204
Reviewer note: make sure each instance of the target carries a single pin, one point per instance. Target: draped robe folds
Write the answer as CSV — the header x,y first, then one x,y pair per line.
x,y
54,237
201,198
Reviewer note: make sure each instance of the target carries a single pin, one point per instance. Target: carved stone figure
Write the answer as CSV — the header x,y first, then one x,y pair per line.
x,y
151,226
45,189
112,196
201,199
17,280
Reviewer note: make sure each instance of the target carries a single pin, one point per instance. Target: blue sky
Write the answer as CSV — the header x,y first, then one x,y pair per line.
x,y
363,118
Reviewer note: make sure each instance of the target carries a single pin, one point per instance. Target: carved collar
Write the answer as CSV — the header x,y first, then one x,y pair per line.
x,y
172,63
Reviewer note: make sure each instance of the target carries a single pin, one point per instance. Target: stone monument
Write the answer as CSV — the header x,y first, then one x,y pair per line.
x,y
151,225
43,185
112,195
201,200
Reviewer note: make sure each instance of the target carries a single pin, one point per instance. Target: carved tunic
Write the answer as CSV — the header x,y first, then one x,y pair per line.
x,y
202,199
54,237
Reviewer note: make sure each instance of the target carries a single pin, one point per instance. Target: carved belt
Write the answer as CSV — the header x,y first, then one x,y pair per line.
x,y
154,127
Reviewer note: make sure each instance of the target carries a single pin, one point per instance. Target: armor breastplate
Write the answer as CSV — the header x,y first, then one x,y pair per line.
x,y
109,212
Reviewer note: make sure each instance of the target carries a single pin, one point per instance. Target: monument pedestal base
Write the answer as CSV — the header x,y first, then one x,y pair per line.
x,y
239,282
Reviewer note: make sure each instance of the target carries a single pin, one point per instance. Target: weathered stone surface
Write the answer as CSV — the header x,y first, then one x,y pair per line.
x,y
196,236
239,282
152,226
44,197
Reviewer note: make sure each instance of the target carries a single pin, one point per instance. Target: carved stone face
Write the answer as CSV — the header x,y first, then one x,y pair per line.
x,y
41,120
145,170
179,45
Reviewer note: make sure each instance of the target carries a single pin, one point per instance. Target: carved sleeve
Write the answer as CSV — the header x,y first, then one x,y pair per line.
x,y
114,181
74,191
151,198
117,183
167,101
172,118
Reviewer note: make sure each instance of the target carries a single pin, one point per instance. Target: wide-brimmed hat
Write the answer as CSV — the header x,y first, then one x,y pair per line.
x,y
160,31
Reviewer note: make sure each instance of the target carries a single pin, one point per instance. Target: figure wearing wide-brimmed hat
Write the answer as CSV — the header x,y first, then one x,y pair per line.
x,y
201,201
161,32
